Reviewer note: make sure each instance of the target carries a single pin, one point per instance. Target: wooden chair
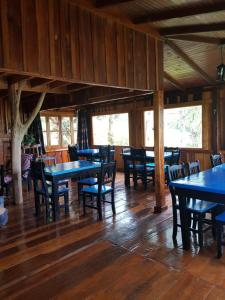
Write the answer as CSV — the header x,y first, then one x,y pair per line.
x,y
175,172
44,191
73,155
175,158
219,222
140,169
106,185
216,159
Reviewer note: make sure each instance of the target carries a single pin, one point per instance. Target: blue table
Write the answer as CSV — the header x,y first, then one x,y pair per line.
x,y
207,185
75,169
150,157
90,153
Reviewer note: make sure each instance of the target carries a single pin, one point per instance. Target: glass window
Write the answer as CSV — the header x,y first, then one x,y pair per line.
x,y
111,129
183,127
149,128
54,131
66,130
44,129
75,130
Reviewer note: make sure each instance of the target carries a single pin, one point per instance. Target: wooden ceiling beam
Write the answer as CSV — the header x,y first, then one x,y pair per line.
x,y
181,12
76,87
190,62
195,28
105,3
35,82
197,38
58,83
14,78
173,81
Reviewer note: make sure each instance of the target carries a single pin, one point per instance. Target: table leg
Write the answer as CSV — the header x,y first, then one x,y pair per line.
x,y
126,173
55,199
184,219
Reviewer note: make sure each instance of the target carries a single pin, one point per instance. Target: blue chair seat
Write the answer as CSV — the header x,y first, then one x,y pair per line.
x,y
88,181
94,189
141,168
61,190
221,217
200,206
152,165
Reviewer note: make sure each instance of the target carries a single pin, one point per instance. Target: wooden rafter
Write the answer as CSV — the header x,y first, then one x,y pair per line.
x,y
104,3
195,28
181,11
39,82
197,38
173,81
58,83
190,62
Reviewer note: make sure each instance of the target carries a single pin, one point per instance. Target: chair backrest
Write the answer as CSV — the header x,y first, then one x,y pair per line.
x,y
111,153
104,153
72,150
193,167
216,159
126,150
107,175
38,175
176,172
138,157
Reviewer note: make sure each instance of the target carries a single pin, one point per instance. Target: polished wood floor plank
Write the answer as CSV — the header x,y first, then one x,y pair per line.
x,y
127,256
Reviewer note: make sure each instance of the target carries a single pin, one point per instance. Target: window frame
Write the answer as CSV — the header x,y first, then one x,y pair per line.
x,y
106,114
183,105
48,131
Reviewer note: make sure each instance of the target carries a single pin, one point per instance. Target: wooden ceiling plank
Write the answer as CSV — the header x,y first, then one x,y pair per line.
x,y
16,78
105,3
195,28
190,62
197,38
173,81
57,83
75,87
181,12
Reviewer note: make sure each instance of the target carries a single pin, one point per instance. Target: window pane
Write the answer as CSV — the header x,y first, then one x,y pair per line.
x,y
54,123
65,123
45,138
183,127
66,138
54,138
149,128
111,129
74,123
43,123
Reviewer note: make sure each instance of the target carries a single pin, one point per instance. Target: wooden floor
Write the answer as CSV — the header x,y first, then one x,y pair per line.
x,y
129,256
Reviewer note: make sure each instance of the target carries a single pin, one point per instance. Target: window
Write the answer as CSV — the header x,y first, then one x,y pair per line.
x,y
59,130
149,128
182,127
111,129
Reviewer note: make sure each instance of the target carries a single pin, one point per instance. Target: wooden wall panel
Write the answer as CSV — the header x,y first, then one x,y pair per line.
x,y
140,60
12,34
43,37
58,38
129,59
111,52
99,50
75,49
151,63
85,34
159,62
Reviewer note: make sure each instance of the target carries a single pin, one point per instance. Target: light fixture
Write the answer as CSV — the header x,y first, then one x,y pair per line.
x,y
221,68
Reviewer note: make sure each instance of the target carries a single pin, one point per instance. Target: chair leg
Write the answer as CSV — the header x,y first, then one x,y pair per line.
x,y
84,204
174,222
66,201
194,224
37,205
79,188
47,207
218,238
200,230
99,206
113,203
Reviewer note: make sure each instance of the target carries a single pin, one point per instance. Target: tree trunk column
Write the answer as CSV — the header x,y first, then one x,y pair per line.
x,y
158,106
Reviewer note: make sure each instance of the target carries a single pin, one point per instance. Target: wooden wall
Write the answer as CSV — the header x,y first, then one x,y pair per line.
x,y
59,39
5,125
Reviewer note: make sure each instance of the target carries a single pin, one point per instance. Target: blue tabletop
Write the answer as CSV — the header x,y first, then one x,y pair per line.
x,y
151,154
212,180
71,167
90,151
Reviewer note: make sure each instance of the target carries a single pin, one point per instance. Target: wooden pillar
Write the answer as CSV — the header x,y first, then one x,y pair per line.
x,y
214,120
158,105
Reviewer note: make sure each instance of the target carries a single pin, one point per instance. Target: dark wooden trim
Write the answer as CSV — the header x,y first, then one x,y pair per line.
x,y
195,28
105,3
197,38
180,12
190,62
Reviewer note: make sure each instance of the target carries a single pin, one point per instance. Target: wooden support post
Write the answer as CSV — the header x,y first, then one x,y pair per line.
x,y
214,119
159,152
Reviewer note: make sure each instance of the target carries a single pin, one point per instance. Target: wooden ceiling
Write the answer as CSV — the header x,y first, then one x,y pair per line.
x,y
193,31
